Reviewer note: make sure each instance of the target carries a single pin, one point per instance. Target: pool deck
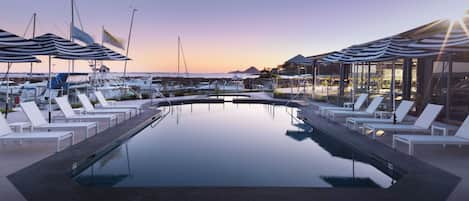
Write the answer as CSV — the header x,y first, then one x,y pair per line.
x,y
451,159
36,173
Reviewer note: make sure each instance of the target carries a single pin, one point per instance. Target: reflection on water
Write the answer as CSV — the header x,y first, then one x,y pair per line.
x,y
228,97
244,145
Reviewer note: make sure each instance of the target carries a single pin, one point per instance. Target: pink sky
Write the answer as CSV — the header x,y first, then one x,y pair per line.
x,y
220,36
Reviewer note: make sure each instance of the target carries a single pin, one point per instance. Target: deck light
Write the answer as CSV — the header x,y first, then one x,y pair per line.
x,y
380,133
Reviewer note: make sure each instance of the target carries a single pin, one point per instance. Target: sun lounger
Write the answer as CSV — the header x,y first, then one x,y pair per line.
x,y
89,108
401,113
422,124
461,138
108,104
347,106
370,110
6,134
39,122
70,114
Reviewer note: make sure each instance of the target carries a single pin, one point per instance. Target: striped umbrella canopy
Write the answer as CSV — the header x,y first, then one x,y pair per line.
x,y
343,56
52,45
350,52
387,49
100,53
332,57
8,39
17,59
112,55
13,46
449,36
11,58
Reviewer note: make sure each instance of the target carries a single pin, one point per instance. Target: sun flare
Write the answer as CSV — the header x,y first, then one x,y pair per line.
x,y
458,15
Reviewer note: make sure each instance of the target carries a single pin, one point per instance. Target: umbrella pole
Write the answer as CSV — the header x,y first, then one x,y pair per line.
x,y
50,89
7,98
393,90
31,71
352,92
95,76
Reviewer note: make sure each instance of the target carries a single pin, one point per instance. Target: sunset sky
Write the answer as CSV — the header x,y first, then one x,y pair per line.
x,y
225,35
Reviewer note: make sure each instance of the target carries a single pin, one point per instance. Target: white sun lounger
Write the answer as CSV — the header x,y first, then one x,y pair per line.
x,y
89,108
70,114
422,124
401,113
39,122
370,110
107,104
347,106
461,138
6,134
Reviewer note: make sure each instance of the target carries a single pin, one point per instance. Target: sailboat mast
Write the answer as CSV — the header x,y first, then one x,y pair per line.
x,y
72,23
179,53
73,20
34,35
128,40
34,25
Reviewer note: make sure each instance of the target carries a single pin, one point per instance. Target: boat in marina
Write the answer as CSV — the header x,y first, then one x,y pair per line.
x,y
10,86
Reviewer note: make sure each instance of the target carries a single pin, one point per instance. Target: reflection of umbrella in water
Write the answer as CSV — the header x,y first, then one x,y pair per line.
x,y
335,150
114,154
350,182
302,134
303,126
100,179
298,135
339,150
334,147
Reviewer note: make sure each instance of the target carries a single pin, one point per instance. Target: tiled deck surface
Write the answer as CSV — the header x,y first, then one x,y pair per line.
x,y
14,156
451,159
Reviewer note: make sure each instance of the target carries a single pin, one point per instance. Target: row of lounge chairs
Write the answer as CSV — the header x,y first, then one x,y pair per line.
x,y
75,120
385,122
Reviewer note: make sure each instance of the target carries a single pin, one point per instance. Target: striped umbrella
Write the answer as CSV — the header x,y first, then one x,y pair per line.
x,y
451,36
100,53
388,49
4,58
10,59
344,56
8,39
52,45
332,57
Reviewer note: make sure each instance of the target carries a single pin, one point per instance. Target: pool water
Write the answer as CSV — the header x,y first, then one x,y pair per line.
x,y
232,145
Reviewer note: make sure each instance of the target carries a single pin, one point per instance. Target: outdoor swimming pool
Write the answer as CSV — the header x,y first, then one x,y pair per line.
x,y
232,145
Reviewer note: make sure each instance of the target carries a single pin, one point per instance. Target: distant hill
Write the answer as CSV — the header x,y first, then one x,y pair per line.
x,y
250,70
